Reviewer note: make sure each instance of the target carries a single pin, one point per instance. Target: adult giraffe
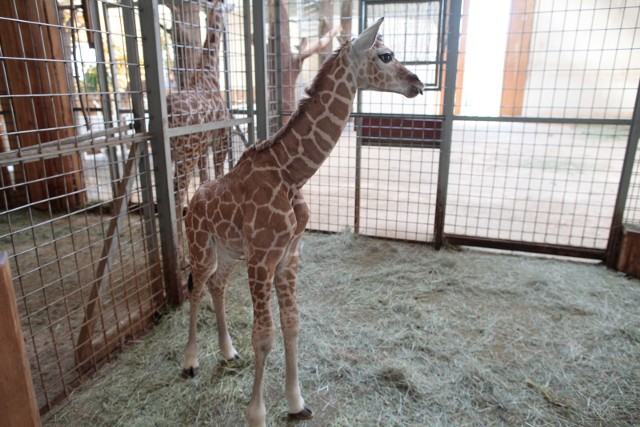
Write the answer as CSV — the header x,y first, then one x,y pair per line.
x,y
257,211
200,101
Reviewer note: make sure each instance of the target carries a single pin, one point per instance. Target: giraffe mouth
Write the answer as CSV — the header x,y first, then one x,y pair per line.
x,y
415,91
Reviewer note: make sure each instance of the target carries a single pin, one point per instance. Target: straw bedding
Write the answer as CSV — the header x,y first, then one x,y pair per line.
x,y
398,334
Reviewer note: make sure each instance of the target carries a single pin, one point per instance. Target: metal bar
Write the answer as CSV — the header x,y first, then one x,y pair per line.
x,y
160,144
107,113
146,186
357,116
278,63
557,120
358,180
204,127
441,44
399,116
246,5
260,55
615,234
227,85
451,72
15,157
513,245
361,26
77,142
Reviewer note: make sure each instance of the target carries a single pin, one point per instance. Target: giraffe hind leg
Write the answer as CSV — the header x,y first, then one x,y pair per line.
x,y
191,365
220,148
203,265
217,284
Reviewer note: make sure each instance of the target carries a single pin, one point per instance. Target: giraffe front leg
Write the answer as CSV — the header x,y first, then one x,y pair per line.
x,y
285,280
290,322
262,337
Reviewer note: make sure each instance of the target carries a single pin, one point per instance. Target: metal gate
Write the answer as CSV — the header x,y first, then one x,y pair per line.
x,y
525,139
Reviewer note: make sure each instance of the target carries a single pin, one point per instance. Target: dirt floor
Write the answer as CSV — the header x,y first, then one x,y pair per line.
x,y
398,334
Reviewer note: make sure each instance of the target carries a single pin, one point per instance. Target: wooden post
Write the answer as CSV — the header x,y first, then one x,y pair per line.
x,y
516,61
17,398
464,20
40,102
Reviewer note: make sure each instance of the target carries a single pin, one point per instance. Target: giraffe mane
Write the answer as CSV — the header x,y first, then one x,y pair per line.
x,y
310,91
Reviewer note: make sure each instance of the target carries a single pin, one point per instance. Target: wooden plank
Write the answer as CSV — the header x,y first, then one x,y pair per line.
x,y
17,398
464,24
629,260
41,104
88,22
516,61
462,43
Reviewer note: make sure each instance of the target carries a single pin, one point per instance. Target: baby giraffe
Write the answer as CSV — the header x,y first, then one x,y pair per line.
x,y
257,211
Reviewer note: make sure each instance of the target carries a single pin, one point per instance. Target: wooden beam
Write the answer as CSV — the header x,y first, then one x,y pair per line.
x,y
40,101
516,61
464,22
17,398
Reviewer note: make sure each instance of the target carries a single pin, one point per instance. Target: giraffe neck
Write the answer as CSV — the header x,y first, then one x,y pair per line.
x,y
209,79
315,127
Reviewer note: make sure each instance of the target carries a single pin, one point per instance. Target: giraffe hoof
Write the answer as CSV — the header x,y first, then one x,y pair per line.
x,y
305,414
231,361
189,372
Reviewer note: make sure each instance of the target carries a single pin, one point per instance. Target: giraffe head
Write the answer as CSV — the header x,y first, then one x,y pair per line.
x,y
377,68
216,21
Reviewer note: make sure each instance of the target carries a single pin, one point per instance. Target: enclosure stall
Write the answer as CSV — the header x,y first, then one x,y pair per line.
x,y
525,141
88,193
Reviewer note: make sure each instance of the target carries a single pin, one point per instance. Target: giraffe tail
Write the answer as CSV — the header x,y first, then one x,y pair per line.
x,y
190,283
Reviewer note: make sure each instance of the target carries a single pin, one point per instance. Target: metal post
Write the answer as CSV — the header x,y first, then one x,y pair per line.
x,y
277,62
227,86
358,178
615,234
146,185
260,55
453,39
160,145
103,77
249,70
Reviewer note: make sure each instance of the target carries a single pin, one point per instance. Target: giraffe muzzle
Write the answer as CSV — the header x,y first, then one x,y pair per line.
x,y
415,88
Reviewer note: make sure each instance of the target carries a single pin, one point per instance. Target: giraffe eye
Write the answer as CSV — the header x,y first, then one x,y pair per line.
x,y
386,57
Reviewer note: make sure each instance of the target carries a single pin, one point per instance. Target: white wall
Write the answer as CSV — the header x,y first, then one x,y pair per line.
x,y
585,59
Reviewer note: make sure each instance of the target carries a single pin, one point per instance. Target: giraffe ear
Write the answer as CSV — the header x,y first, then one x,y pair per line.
x,y
367,38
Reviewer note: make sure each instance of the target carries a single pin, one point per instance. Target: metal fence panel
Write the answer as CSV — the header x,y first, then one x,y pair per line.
x,y
76,185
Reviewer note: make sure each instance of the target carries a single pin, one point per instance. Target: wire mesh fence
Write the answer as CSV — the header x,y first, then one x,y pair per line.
x,y
543,103
76,185
565,84
543,183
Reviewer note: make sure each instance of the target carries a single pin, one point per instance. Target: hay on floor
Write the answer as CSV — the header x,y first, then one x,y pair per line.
x,y
400,335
